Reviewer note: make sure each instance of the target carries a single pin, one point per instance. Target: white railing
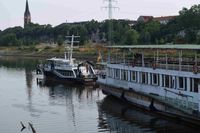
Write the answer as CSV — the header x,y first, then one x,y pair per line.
x,y
172,65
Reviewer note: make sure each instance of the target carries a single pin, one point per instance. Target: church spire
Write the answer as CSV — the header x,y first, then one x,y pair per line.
x,y
27,15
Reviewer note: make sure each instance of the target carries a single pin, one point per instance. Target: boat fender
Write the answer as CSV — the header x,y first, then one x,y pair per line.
x,y
123,96
130,89
151,106
38,69
195,69
195,112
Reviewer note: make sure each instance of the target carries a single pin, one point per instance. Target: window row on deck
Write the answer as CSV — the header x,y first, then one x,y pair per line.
x,y
155,79
66,73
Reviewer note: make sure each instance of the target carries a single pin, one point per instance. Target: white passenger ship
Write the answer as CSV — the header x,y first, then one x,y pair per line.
x,y
163,84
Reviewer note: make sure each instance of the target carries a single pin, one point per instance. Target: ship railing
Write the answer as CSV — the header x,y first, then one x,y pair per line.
x,y
101,74
187,66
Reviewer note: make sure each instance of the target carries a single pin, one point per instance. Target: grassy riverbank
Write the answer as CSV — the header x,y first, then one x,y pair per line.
x,y
89,51
45,50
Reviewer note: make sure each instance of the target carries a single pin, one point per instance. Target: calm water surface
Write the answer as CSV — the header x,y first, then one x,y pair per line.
x,y
57,108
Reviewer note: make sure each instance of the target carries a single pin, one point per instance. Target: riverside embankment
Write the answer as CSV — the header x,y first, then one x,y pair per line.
x,y
48,51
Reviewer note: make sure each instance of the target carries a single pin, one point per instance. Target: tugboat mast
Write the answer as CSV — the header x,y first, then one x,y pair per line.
x,y
72,41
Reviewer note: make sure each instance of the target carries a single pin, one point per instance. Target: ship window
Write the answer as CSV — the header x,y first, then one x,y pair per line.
x,y
163,82
185,84
117,73
174,82
196,84
66,73
124,74
180,82
144,78
155,79
133,76
171,83
191,84
110,72
167,81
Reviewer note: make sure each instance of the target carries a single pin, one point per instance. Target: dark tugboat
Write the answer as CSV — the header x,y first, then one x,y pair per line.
x,y
66,70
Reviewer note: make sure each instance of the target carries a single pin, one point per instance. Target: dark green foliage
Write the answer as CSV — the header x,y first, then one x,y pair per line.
x,y
185,28
131,37
60,40
9,39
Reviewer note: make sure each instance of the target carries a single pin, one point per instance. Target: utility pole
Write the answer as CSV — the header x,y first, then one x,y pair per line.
x,y
110,8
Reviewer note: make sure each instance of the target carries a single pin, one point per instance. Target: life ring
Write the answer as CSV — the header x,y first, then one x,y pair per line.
x,y
195,69
154,66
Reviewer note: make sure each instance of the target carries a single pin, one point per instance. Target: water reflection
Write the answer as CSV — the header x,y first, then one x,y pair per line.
x,y
59,90
29,78
19,62
29,81
70,96
117,116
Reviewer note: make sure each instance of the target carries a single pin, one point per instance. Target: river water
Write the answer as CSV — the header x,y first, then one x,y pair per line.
x,y
57,108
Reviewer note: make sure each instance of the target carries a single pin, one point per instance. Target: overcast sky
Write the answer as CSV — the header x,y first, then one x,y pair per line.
x,y
55,12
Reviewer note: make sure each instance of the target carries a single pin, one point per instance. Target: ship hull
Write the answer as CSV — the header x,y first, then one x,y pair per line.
x,y
144,102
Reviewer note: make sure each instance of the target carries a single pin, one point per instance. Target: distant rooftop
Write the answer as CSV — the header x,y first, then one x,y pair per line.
x,y
144,18
164,18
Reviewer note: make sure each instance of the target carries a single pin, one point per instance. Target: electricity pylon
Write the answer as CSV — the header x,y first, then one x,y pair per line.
x,y
110,8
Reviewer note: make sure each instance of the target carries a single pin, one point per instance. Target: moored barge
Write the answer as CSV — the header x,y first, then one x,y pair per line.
x,y
166,84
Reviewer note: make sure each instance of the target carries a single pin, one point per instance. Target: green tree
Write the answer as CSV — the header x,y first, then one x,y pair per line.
x,y
198,37
131,37
145,37
190,18
9,39
60,40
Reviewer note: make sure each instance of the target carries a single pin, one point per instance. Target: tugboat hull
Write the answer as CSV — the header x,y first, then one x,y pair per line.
x,y
70,80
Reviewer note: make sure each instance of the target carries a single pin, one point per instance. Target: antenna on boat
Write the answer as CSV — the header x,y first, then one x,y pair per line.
x,y
72,41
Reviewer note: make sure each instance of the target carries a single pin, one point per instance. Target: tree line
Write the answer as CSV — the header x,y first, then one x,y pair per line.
x,y
185,28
